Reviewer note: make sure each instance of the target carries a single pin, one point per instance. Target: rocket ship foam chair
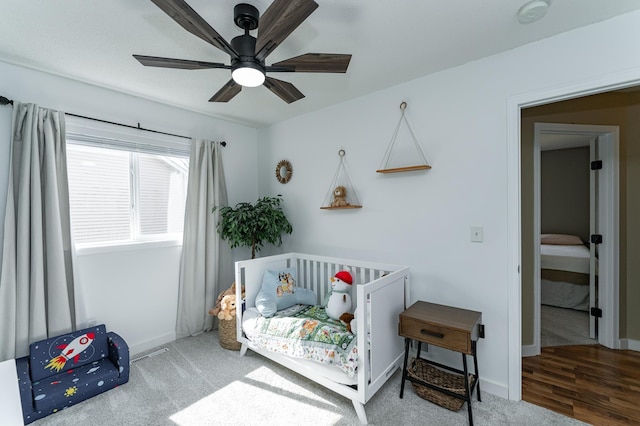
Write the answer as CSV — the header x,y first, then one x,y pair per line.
x,y
64,370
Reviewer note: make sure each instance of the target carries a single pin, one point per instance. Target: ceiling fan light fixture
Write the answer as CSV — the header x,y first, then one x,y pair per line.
x,y
245,70
247,54
248,75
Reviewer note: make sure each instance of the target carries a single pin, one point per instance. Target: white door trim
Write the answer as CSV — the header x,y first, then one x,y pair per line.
x,y
608,219
515,103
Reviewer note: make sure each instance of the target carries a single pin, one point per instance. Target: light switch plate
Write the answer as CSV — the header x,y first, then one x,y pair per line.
x,y
477,234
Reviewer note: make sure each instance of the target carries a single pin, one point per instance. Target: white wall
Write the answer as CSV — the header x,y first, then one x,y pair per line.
x,y
133,292
423,219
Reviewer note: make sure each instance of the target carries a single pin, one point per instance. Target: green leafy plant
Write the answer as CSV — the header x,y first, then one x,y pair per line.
x,y
253,225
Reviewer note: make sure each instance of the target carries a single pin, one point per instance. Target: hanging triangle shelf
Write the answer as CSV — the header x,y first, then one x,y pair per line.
x,y
341,194
386,160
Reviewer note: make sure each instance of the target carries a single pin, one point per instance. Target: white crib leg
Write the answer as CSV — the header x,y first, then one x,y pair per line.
x,y
243,349
362,416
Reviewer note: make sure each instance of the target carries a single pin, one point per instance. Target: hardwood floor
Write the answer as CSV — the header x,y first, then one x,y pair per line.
x,y
590,383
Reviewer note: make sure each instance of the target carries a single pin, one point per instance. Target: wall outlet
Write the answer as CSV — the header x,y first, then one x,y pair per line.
x,y
477,234
91,323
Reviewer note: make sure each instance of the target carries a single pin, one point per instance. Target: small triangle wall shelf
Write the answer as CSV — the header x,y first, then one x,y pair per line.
x,y
385,166
342,194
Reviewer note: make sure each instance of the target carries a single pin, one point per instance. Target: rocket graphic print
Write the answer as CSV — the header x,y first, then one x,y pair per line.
x,y
72,350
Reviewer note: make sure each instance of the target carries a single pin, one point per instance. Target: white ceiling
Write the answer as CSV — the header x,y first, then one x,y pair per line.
x,y
391,42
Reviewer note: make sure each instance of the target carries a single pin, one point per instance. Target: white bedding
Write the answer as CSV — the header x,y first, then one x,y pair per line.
x,y
565,258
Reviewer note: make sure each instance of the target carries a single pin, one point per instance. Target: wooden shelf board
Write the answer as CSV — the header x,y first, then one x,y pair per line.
x,y
405,169
343,207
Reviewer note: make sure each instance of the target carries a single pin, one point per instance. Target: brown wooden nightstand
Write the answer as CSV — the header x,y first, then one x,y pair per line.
x,y
446,327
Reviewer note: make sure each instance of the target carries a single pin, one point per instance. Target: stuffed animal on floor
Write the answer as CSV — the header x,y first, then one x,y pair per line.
x,y
338,300
227,307
231,290
339,197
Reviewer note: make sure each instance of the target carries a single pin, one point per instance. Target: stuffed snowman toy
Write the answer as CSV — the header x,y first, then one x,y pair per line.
x,y
338,301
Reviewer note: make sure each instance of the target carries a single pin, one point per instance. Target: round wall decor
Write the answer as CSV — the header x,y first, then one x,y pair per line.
x,y
284,170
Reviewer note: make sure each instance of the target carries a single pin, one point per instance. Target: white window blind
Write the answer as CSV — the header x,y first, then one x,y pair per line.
x,y
124,188
99,194
162,194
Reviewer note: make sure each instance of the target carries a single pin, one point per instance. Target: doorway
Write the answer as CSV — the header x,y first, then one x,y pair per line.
x,y
602,307
519,203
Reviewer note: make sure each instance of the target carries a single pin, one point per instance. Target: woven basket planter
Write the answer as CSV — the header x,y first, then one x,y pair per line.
x,y
421,369
227,334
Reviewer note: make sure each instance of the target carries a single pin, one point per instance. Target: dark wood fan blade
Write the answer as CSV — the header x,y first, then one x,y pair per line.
x,y
228,91
313,62
285,90
184,64
278,21
184,15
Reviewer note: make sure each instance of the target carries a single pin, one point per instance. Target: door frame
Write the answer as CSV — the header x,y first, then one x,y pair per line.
x,y
608,218
515,104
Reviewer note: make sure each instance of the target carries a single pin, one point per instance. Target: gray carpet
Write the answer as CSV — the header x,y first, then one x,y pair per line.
x,y
196,382
563,327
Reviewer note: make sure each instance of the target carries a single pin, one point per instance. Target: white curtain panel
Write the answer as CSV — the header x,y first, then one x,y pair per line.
x,y
199,265
36,282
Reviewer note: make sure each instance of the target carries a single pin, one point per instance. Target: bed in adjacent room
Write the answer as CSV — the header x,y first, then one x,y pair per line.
x,y
565,271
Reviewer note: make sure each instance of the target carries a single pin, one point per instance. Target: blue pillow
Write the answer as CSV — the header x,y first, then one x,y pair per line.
x,y
279,292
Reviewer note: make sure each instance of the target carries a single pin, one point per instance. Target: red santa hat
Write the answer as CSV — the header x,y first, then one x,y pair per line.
x,y
345,276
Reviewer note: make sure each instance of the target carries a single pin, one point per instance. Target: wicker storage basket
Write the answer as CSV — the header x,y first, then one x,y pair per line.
x,y
227,334
421,369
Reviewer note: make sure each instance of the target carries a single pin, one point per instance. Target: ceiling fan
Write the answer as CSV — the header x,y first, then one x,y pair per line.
x,y
248,53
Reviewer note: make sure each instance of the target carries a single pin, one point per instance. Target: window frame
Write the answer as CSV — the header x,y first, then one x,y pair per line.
x,y
91,133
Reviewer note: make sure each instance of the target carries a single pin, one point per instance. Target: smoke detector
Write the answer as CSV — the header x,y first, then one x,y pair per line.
x,y
532,11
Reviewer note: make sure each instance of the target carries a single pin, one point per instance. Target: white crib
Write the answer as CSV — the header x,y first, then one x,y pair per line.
x,y
380,291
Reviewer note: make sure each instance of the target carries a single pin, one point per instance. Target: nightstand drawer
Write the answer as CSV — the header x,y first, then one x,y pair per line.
x,y
443,337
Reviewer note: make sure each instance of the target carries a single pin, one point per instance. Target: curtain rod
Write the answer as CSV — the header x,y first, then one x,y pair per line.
x,y
6,101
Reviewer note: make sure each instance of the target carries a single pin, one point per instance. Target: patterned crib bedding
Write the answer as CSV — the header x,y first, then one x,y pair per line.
x,y
306,332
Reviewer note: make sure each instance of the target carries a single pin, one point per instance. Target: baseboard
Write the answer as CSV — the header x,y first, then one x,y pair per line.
x,y
629,344
529,350
632,345
138,348
493,388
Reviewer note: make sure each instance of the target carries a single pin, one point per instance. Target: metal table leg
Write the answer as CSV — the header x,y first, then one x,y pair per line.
x,y
467,388
475,366
404,367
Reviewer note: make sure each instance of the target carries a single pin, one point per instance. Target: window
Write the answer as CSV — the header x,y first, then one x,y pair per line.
x,y
122,190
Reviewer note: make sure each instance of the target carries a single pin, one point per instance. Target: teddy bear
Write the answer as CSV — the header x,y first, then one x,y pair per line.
x,y
349,320
339,197
346,319
231,290
227,307
338,300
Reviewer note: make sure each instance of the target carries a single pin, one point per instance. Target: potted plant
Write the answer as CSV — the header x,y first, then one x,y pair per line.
x,y
253,225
